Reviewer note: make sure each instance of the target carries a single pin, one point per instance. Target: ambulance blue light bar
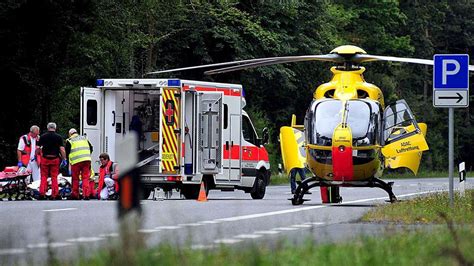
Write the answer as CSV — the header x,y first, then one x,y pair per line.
x,y
174,82
100,82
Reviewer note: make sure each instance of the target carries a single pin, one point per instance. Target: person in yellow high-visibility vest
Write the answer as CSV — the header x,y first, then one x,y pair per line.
x,y
78,152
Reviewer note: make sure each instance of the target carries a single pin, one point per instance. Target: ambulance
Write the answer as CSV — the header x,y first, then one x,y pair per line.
x,y
190,132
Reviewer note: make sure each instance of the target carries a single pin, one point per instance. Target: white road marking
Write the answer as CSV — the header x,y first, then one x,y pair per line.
x,y
285,229
190,224
267,232
211,222
301,209
248,236
12,251
302,225
413,185
227,241
109,235
51,245
314,223
147,231
169,227
60,210
85,239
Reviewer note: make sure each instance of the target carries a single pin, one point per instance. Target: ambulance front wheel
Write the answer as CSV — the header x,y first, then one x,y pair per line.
x,y
259,188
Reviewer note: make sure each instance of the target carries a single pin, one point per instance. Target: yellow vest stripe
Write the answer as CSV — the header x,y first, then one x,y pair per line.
x,y
80,150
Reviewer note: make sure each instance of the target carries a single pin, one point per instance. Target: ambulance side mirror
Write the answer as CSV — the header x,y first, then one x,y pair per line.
x,y
264,136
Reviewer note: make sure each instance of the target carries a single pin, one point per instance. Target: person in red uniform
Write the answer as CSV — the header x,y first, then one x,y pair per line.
x,y
27,153
108,178
52,149
78,151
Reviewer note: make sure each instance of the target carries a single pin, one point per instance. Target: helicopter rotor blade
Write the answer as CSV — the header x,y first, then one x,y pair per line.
x,y
207,66
278,60
360,58
251,63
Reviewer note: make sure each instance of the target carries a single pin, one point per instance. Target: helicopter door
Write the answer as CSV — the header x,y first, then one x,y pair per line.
x,y
401,133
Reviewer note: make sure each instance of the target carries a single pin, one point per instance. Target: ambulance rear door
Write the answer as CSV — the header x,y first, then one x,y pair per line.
x,y
91,122
210,119
170,130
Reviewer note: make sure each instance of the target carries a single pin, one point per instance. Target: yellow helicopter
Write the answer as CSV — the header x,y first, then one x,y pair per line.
x,y
350,136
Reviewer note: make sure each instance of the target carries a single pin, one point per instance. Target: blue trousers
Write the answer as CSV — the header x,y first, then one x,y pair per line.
x,y
301,172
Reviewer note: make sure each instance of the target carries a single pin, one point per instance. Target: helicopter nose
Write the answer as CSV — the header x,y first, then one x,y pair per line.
x,y
342,165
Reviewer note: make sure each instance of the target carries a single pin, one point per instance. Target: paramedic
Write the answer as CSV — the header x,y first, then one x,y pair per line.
x,y
108,175
27,152
78,151
52,148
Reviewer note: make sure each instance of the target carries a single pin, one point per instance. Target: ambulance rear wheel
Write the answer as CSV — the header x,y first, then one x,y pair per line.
x,y
259,189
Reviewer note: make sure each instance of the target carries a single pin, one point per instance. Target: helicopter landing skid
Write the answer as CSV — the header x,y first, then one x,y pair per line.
x,y
311,182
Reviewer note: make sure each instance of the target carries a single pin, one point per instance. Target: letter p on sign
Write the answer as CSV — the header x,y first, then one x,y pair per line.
x,y
445,73
451,72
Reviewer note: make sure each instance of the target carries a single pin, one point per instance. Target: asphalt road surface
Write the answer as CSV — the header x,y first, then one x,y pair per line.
x,y
32,229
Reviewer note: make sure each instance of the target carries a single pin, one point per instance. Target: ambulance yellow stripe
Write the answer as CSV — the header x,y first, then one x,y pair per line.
x,y
169,130
170,145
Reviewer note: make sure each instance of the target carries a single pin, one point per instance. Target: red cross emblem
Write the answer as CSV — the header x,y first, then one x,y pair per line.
x,y
169,112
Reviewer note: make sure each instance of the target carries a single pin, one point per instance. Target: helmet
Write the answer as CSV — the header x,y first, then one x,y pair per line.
x,y
72,131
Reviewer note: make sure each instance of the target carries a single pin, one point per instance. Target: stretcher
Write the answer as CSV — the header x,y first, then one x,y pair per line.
x,y
13,183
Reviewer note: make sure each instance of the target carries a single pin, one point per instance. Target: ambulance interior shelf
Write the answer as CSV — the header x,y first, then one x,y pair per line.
x,y
147,108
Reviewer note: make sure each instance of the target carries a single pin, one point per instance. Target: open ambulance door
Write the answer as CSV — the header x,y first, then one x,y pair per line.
x,y
91,114
402,138
210,117
170,131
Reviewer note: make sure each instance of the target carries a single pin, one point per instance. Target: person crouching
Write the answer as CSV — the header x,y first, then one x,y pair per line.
x,y
108,175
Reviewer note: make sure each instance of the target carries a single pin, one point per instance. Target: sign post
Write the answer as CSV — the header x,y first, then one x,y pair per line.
x,y
451,90
462,179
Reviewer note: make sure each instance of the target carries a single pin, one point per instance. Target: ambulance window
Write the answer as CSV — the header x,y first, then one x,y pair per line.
x,y
247,130
226,115
91,112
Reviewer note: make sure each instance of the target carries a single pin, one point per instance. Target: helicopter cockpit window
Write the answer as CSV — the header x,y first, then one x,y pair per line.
x,y
363,118
398,121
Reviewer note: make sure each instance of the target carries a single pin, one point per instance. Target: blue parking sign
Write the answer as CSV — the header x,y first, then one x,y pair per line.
x,y
451,72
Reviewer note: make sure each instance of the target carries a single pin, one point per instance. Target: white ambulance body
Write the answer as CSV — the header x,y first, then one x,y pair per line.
x,y
192,132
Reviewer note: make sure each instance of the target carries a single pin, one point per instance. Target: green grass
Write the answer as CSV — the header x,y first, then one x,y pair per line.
x,y
426,209
447,244
415,248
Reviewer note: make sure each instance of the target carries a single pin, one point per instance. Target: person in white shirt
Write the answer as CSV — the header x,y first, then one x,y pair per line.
x,y
27,152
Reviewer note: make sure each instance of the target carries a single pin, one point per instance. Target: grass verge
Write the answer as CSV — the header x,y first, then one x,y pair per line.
x,y
416,248
426,209
448,245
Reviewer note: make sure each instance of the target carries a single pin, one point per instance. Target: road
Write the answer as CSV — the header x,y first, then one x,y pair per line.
x,y
232,218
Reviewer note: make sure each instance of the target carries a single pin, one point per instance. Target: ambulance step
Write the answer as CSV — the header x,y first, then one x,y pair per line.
x,y
150,169
148,159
